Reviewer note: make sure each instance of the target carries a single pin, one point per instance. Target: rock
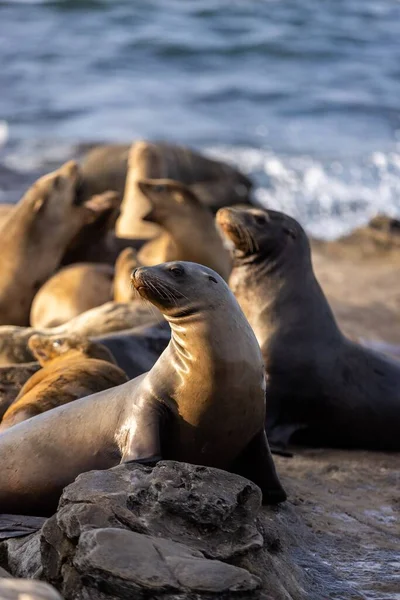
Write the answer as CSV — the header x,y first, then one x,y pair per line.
x,y
12,378
173,532
25,589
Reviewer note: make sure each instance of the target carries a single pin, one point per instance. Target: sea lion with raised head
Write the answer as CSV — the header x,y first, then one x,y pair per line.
x,y
124,265
202,402
322,388
72,367
215,183
70,292
188,228
35,236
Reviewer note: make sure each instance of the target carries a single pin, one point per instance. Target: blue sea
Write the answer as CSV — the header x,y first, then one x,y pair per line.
x,y
303,96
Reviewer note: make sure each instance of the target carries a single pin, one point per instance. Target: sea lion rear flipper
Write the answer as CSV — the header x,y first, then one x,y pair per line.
x,y
255,463
142,443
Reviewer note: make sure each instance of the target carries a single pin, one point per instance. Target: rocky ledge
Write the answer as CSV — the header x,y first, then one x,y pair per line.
x,y
172,532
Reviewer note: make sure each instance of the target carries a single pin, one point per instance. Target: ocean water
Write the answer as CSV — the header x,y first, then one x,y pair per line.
x,y
303,96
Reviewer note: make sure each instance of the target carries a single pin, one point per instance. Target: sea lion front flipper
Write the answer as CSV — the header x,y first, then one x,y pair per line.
x,y
255,463
142,439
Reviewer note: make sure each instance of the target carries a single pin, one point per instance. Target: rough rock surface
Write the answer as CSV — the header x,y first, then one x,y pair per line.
x,y
173,532
349,501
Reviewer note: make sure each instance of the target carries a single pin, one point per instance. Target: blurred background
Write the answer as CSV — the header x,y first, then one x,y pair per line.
x,y
303,96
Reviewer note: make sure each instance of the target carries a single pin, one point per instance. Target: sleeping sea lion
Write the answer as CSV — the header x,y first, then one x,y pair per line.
x,y
188,228
70,292
35,236
323,389
107,318
72,367
202,402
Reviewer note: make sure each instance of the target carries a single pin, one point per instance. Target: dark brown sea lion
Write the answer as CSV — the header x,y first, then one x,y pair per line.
x,y
202,402
188,228
323,389
136,350
34,239
215,183
71,292
107,318
73,367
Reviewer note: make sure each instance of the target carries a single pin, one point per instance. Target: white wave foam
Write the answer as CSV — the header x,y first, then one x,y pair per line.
x,y
328,199
4,133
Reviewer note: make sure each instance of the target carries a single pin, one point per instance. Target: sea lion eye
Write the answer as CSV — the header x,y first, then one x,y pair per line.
x,y
176,270
290,232
259,219
57,343
159,189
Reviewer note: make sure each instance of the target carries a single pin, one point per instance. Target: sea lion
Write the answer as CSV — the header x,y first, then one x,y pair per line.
x,y
70,292
188,228
137,349
96,241
323,389
35,236
72,367
125,263
5,211
215,183
202,402
26,589
107,318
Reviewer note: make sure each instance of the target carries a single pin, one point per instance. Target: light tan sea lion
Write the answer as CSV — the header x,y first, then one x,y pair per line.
x,y
73,367
34,239
216,184
122,288
107,318
323,389
188,228
5,211
26,589
70,292
202,402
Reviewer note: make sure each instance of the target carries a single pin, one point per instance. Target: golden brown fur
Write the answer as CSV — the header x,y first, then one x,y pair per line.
x,y
71,292
34,238
216,183
73,367
126,262
189,231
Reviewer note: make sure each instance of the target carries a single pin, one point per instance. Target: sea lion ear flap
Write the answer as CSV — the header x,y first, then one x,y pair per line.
x,y
98,205
38,346
39,204
183,194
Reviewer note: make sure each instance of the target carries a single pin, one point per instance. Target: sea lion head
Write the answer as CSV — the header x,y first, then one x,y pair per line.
x,y
181,288
46,348
265,234
170,200
53,201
